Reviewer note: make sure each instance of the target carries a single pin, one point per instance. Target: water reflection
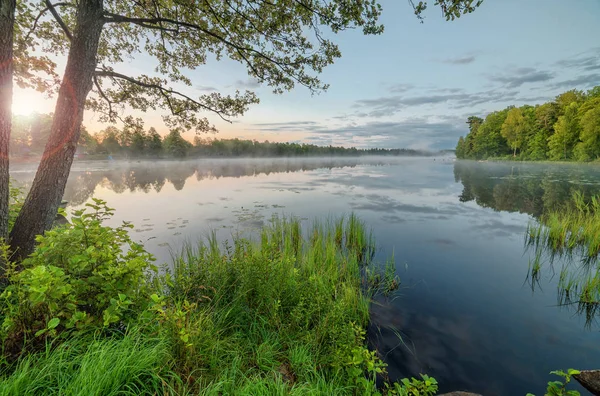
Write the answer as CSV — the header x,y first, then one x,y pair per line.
x,y
539,190
144,176
524,188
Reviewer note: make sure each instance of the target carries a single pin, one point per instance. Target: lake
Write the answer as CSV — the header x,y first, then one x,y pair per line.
x,y
465,312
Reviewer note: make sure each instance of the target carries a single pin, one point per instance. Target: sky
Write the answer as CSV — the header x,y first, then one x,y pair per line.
x,y
414,85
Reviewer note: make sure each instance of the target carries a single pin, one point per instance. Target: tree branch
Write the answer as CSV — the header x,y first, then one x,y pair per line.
x,y
165,92
61,23
42,12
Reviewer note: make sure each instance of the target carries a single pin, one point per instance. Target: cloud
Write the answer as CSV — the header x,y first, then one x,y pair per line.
x,y
586,61
586,81
390,105
465,60
207,88
283,126
401,88
415,133
522,75
248,84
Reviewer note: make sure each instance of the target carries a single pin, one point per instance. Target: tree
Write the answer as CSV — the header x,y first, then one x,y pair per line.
x,y
175,145
280,44
461,148
7,16
489,142
589,147
514,128
138,143
566,133
154,143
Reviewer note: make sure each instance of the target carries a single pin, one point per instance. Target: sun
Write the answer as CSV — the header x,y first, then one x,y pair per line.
x,y
27,102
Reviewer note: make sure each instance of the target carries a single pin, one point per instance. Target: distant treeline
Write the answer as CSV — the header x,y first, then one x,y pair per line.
x,y
565,129
31,133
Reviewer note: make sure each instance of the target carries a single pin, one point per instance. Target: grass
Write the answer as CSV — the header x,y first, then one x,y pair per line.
x,y
283,314
573,235
131,365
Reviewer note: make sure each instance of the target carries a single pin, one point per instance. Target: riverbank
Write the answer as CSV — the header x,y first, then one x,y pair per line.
x,y
283,314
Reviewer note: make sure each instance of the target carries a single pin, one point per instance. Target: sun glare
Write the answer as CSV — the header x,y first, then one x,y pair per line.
x,y
26,103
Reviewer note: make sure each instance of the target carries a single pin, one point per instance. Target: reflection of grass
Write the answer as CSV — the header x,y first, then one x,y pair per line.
x,y
572,234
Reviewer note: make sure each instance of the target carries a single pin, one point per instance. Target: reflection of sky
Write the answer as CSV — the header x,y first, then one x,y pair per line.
x,y
466,315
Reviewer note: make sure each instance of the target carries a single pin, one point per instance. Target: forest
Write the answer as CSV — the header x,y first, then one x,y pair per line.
x,y
30,134
565,129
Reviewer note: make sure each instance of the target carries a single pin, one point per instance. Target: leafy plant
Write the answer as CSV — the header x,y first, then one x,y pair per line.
x,y
81,275
426,386
559,388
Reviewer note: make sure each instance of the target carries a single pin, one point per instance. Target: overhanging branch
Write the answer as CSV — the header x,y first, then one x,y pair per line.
x,y
166,93
58,18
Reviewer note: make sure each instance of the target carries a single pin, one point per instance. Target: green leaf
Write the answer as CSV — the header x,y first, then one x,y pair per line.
x,y
53,323
40,332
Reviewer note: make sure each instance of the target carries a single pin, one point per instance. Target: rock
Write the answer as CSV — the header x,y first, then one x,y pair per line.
x,y
459,393
590,379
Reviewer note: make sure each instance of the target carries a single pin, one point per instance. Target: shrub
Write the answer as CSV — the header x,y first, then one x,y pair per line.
x,y
81,275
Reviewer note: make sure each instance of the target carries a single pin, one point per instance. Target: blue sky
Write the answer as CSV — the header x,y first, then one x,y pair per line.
x,y
415,85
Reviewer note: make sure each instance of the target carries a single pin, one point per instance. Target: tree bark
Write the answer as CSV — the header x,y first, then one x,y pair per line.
x,y
43,200
7,22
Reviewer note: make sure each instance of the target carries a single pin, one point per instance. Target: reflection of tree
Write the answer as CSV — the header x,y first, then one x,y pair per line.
x,y
524,188
148,176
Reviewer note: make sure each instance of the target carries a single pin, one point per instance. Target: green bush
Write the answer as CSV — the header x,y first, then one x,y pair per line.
x,y
81,275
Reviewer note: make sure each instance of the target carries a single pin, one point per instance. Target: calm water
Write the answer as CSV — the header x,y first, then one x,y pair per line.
x,y
465,311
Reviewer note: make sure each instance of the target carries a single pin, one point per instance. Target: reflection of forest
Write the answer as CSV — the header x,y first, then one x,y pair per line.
x,y
147,176
524,188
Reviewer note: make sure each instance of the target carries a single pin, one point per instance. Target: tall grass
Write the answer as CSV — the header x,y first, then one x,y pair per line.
x,y
280,309
572,235
131,365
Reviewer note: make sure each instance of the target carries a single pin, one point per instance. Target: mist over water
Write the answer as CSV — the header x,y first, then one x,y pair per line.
x,y
465,313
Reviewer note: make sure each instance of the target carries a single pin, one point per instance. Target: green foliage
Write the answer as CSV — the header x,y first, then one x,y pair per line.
x,y
562,130
426,386
559,388
15,204
513,129
130,365
175,145
82,275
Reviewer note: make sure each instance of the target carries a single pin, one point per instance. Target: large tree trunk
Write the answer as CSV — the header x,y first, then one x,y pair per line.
x,y
41,205
7,22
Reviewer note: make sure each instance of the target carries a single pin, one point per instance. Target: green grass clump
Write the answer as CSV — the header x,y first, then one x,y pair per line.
x,y
129,365
573,235
285,312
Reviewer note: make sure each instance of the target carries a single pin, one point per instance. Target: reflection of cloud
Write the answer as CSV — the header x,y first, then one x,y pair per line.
x,y
498,228
394,219
383,203
443,242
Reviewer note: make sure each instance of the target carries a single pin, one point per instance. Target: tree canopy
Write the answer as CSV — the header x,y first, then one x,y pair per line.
x,y
565,129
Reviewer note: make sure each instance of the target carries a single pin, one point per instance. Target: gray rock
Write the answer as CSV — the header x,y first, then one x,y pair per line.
x,y
590,379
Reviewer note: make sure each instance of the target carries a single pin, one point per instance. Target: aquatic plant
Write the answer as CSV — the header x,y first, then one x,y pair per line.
x,y
573,236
